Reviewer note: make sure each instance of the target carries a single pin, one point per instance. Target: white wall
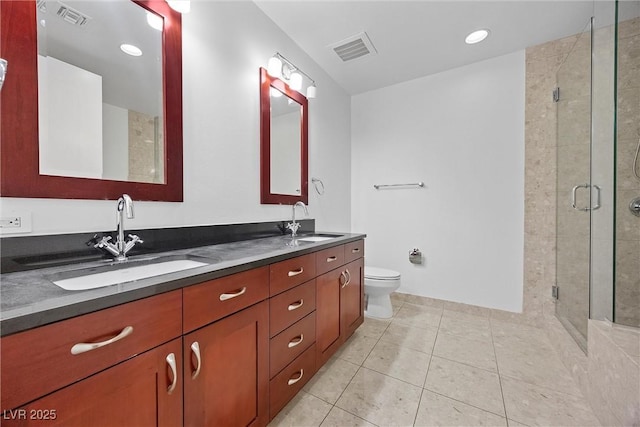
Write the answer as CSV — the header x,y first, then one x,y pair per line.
x,y
72,100
462,133
115,142
224,44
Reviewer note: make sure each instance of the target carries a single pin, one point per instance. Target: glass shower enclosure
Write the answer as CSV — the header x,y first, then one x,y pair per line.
x,y
598,130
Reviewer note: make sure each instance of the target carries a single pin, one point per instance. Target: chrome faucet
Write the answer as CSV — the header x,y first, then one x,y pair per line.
x,y
293,225
120,249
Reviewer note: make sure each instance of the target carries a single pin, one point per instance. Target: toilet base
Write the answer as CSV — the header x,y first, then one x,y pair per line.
x,y
378,306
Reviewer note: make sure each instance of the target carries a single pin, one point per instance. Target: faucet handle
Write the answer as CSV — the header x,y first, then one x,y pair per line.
x,y
135,238
293,226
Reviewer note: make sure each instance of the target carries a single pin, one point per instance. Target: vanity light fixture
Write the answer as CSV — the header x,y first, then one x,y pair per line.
x,y
130,49
476,36
181,6
155,21
281,68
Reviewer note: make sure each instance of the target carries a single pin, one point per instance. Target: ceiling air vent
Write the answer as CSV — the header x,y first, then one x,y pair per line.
x,y
71,15
354,47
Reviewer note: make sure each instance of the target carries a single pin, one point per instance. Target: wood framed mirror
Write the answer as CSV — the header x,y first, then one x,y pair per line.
x,y
283,143
22,173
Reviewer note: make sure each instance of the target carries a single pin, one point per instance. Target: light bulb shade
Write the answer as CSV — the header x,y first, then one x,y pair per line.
x,y
155,21
181,6
295,82
275,92
274,67
311,91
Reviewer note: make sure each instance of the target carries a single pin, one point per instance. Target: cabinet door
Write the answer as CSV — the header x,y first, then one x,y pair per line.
x,y
226,371
328,288
146,390
352,298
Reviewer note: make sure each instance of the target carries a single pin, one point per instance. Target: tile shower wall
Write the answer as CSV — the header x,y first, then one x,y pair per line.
x,y
627,276
145,152
542,63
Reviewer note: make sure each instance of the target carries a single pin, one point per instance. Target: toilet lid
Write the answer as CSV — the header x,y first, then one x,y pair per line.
x,y
380,273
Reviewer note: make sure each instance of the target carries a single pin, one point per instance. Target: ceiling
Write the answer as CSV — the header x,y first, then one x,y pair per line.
x,y
420,37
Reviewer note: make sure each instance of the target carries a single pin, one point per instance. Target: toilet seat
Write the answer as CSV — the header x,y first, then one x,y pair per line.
x,y
380,273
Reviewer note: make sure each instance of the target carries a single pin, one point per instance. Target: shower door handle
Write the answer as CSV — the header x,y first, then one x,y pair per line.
x,y
573,197
597,206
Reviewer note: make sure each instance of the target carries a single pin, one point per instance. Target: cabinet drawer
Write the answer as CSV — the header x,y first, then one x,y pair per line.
x,y
39,361
328,259
290,381
290,306
291,272
215,299
288,344
353,250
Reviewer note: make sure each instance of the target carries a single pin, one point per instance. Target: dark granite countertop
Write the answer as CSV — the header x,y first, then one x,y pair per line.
x,y
29,299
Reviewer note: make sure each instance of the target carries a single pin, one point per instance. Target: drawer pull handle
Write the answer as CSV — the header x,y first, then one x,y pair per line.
x,y
195,349
292,381
296,305
296,272
171,361
224,297
332,258
355,250
84,347
296,341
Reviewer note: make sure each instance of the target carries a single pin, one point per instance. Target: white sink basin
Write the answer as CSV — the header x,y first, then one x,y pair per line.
x,y
121,274
317,238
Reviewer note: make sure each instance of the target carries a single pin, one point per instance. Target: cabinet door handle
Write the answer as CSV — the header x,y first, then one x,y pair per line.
x,y
226,296
84,347
355,250
296,272
332,258
171,361
344,282
347,277
296,341
195,349
296,305
292,381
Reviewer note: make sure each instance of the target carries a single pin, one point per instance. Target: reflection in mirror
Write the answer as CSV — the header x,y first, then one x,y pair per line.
x,y
285,144
96,101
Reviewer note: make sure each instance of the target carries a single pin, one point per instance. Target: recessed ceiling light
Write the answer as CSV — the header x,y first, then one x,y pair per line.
x,y
130,49
476,36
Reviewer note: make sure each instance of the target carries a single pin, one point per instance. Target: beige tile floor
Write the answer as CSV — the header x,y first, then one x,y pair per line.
x,y
431,366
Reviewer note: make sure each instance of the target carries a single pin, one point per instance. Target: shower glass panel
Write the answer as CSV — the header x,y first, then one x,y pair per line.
x,y
575,195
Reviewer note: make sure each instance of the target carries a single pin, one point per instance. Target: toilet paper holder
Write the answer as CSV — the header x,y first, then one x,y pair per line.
x,y
415,256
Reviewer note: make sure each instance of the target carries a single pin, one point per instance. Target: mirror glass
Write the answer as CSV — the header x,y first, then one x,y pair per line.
x,y
286,116
100,109
283,142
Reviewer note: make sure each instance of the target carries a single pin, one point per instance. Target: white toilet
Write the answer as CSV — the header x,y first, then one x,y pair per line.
x,y
378,285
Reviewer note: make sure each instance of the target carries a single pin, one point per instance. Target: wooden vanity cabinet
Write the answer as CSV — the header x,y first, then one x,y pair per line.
x,y
226,371
226,352
339,303
45,359
144,391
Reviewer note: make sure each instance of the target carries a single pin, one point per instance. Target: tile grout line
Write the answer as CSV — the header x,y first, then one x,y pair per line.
x,y
415,419
493,344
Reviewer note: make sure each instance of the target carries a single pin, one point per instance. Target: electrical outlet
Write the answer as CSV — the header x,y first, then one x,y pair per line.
x,y
11,222
15,222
